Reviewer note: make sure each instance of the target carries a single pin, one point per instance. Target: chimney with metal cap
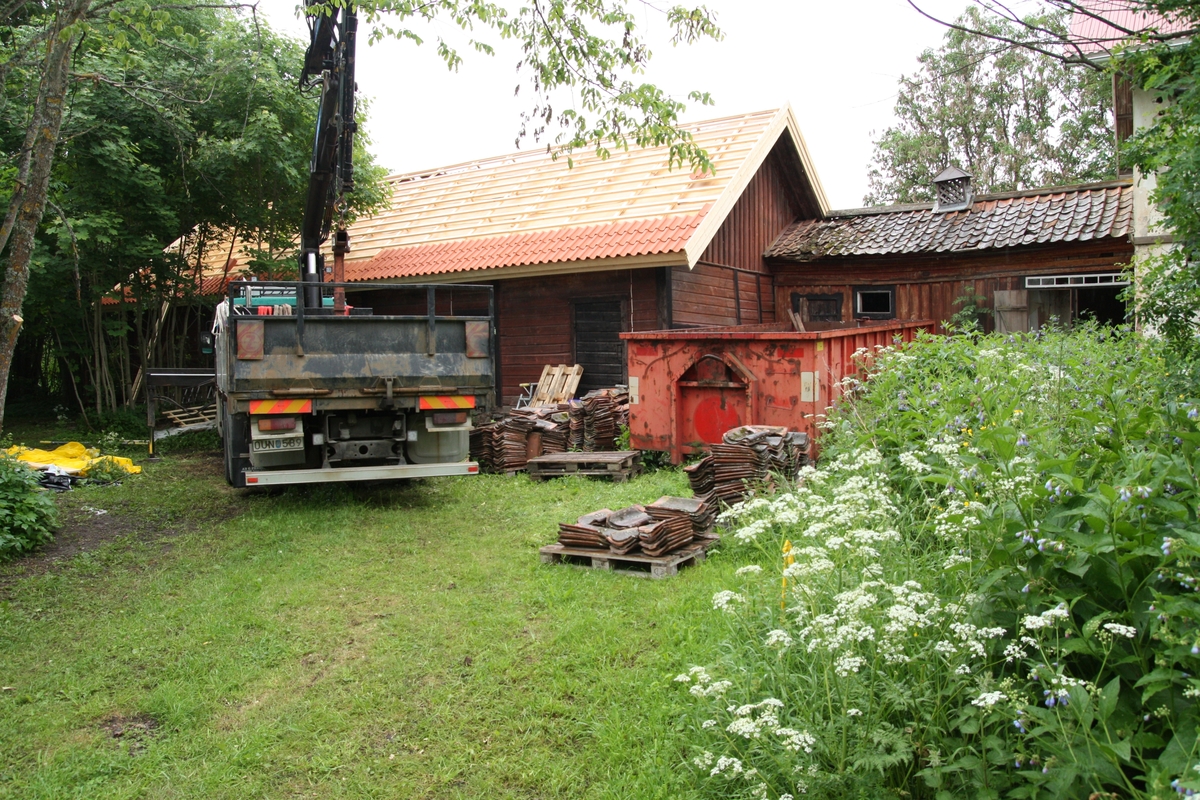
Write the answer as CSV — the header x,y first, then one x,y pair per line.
x,y
954,193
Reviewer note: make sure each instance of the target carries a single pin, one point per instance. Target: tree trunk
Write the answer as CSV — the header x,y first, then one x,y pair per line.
x,y
41,140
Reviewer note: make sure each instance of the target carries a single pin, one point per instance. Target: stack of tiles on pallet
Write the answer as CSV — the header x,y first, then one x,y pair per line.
x,y
665,526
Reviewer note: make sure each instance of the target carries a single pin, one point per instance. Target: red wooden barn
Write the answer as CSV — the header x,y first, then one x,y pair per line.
x,y
1026,256
578,255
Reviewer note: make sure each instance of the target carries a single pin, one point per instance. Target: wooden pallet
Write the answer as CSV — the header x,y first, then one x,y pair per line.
x,y
637,564
193,415
557,385
620,465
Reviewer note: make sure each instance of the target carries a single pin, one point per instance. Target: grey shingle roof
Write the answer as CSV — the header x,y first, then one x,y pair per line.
x,y
1042,216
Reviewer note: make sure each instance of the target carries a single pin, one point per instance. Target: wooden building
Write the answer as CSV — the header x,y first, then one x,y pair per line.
x,y
1028,256
578,254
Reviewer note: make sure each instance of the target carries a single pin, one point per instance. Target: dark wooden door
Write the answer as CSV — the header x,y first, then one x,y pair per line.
x,y
598,346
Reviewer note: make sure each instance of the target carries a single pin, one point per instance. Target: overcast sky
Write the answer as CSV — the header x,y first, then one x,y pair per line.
x,y
836,61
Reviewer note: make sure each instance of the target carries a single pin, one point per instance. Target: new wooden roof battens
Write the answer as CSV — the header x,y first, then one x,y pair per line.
x,y
526,214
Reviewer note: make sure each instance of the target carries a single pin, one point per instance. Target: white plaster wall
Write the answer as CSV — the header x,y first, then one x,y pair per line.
x,y
1147,219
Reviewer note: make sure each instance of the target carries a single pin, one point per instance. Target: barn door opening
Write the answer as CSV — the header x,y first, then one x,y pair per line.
x,y
598,346
1071,297
1103,303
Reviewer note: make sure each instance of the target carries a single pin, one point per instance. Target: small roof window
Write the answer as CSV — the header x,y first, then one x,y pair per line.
x,y
954,193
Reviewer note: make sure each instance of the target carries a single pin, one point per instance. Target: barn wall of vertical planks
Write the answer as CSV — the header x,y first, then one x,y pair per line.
x,y
536,319
926,286
731,284
545,320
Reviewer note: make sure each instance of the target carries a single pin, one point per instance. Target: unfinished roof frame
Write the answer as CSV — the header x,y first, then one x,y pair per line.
x,y
526,215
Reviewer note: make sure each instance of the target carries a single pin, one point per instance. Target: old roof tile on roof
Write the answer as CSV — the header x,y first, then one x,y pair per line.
x,y
1060,214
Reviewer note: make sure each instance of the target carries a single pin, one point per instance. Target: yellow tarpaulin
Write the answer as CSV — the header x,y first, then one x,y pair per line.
x,y
72,458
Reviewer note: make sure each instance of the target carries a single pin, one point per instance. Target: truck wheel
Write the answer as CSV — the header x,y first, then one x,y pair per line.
x,y
236,427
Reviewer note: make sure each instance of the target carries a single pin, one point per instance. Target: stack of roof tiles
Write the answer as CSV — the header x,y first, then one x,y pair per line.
x,y
510,445
503,445
700,514
589,425
482,452
666,536
604,412
663,527
624,529
747,455
576,423
586,532
555,431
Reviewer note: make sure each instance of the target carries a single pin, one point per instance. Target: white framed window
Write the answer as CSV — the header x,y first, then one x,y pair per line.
x,y
1075,281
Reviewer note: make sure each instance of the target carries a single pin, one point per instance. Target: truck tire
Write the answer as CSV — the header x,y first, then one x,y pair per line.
x,y
235,429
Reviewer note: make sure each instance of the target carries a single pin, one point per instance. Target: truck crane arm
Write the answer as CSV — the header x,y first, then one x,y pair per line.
x,y
329,63
309,396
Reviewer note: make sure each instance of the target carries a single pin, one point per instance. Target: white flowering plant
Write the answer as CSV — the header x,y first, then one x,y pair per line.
x,y
988,588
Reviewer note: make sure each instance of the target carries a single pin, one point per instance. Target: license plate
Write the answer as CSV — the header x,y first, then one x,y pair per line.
x,y
289,443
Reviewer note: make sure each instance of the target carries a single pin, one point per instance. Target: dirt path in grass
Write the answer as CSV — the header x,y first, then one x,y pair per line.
x,y
86,526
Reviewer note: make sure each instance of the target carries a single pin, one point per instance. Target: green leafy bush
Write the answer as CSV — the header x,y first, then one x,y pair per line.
x,y
28,516
122,423
190,442
989,588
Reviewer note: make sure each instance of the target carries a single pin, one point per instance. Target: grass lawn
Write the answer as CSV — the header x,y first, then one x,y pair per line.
x,y
388,642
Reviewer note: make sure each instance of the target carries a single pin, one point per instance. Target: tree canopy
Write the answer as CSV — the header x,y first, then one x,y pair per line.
x,y
201,127
126,125
1013,118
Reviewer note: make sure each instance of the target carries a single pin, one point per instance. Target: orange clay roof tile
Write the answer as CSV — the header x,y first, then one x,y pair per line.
x,y
542,247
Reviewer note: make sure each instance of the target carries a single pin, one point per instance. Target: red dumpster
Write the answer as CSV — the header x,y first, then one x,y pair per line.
x,y
687,387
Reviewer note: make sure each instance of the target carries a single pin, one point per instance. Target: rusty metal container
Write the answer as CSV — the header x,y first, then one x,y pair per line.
x,y
687,387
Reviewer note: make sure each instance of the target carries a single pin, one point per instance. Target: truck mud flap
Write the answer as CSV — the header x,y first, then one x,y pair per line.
x,y
235,441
